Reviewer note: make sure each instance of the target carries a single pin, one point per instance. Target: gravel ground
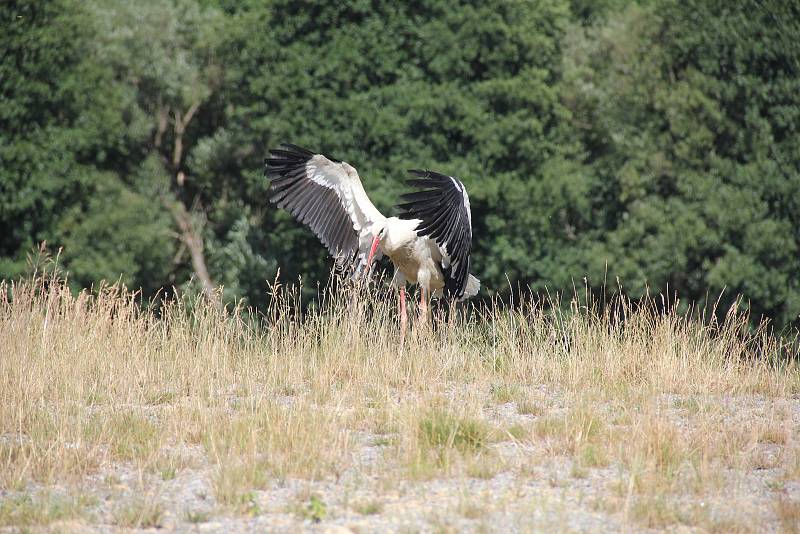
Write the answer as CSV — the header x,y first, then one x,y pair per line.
x,y
533,489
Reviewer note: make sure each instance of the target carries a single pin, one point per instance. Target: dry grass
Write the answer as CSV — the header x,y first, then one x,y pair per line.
x,y
368,507
142,512
94,380
443,439
43,509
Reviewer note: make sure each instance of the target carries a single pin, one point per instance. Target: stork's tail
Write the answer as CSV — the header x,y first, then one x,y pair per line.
x,y
473,286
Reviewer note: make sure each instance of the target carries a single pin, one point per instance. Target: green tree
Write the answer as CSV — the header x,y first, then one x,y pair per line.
x,y
689,113
163,55
57,126
650,142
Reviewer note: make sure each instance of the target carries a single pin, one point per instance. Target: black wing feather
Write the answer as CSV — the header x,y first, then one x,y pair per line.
x,y
313,204
441,203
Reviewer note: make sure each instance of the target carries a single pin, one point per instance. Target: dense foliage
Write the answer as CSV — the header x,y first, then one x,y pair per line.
x,y
651,146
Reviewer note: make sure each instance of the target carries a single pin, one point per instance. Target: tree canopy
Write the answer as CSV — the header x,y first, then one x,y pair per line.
x,y
649,146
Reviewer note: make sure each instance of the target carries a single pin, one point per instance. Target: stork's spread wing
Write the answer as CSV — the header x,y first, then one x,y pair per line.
x,y
326,195
442,204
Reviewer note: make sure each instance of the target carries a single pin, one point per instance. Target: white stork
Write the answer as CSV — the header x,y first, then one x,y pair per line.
x,y
429,244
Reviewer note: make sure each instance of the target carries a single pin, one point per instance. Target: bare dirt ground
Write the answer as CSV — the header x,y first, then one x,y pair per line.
x,y
525,481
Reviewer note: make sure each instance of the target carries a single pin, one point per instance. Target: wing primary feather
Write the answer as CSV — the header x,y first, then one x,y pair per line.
x,y
297,149
423,182
418,196
440,203
309,212
338,239
326,223
335,236
436,225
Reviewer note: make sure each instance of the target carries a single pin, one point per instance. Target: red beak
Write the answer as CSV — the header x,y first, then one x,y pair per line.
x,y
372,250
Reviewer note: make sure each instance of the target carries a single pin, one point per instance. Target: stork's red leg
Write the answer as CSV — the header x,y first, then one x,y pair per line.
x,y
403,316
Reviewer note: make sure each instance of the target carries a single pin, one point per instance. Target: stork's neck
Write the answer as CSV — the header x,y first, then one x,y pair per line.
x,y
399,233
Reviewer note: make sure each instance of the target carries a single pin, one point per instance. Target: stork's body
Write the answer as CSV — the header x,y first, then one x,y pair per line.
x,y
415,258
428,245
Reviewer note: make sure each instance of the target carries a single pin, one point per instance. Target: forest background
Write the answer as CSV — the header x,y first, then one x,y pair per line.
x,y
639,147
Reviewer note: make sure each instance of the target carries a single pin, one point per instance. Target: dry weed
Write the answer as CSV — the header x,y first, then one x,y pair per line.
x,y
99,378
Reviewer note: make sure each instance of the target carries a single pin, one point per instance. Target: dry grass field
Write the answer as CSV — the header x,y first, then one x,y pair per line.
x,y
196,418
